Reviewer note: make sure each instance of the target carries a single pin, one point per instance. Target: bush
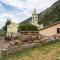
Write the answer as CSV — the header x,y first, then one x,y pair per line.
x,y
27,27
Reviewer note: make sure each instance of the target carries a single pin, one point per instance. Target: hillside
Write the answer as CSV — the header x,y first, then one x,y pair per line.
x,y
49,16
46,52
2,32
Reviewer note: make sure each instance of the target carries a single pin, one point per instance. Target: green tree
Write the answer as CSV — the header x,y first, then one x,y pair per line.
x,y
27,27
7,23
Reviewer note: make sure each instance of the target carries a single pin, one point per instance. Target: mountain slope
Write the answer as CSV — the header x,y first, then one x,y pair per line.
x,y
27,20
49,16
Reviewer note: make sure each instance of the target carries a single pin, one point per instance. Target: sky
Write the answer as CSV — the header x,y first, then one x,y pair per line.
x,y
19,10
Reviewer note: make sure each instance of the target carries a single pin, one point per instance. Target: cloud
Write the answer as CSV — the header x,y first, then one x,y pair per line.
x,y
28,3
5,16
19,10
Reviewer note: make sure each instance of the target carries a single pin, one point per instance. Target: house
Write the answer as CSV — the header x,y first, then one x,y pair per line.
x,y
51,30
12,28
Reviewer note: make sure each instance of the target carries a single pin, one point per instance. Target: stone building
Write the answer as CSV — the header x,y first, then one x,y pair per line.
x,y
51,30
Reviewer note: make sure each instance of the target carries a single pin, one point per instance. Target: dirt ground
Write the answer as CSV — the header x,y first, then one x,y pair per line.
x,y
3,44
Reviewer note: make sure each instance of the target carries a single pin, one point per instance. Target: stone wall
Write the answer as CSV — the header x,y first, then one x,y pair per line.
x,y
30,36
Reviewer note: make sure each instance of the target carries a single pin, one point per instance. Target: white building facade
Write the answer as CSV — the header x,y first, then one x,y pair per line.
x,y
12,28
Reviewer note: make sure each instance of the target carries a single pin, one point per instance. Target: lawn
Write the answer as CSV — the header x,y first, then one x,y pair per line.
x,y
46,52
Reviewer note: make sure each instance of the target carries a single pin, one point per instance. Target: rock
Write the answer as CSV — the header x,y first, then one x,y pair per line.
x,y
17,42
12,43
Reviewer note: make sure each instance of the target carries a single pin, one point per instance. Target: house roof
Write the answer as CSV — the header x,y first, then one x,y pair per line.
x,y
50,25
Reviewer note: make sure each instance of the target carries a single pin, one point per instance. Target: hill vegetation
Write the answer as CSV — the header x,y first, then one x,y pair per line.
x,y
49,16
2,32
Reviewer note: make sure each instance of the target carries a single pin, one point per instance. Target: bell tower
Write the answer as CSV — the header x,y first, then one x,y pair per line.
x,y
34,17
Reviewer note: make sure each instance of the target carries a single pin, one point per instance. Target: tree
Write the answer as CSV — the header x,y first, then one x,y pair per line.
x,y
27,27
7,23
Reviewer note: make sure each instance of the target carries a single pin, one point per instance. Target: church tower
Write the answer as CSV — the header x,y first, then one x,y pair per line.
x,y
34,17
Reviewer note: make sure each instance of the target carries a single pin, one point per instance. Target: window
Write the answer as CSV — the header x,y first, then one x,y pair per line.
x,y
33,18
33,22
58,30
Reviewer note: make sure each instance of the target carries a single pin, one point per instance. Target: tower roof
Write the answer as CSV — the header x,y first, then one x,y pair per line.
x,y
34,12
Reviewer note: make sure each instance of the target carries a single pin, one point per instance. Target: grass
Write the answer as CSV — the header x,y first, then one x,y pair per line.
x,y
46,52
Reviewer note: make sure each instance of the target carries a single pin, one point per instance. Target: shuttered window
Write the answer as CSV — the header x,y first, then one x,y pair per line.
x,y
33,18
58,30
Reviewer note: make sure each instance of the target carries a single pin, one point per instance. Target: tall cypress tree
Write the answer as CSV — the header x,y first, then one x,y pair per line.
x,y
7,23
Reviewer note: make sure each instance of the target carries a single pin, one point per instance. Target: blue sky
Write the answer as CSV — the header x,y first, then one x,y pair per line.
x,y
19,10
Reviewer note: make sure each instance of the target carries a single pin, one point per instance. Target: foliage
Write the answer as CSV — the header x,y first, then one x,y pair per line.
x,y
7,23
2,32
27,27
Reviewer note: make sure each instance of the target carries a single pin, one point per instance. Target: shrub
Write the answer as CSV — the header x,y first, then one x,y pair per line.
x,y
27,27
